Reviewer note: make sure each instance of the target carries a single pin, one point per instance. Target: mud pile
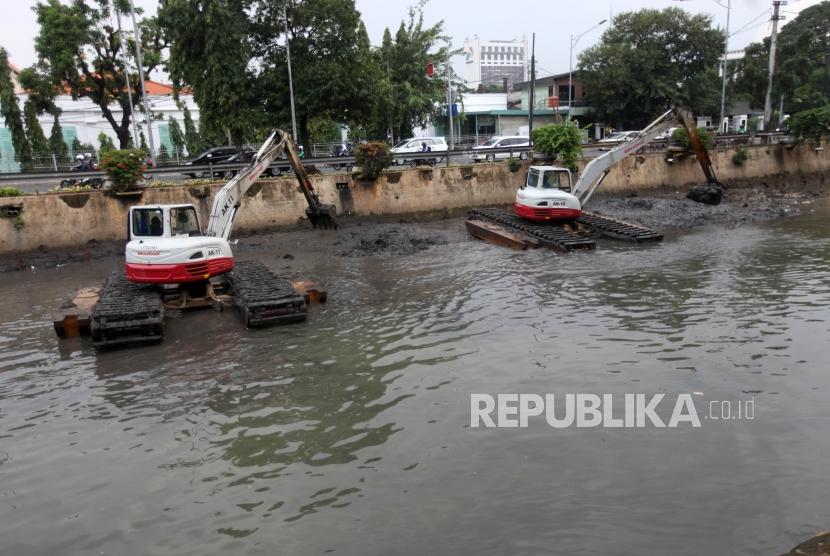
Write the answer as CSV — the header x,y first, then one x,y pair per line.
x,y
739,206
386,239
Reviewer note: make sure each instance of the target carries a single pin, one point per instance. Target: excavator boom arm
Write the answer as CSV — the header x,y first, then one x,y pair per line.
x,y
227,202
596,170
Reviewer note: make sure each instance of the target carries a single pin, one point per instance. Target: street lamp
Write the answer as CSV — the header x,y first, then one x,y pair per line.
x,y
575,40
725,62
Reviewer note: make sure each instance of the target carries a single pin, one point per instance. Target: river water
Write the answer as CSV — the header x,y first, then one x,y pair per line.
x,y
350,433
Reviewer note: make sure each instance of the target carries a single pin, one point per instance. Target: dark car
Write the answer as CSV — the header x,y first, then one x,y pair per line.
x,y
210,156
244,157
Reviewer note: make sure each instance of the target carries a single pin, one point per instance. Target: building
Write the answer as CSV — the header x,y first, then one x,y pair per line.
x,y
489,62
82,120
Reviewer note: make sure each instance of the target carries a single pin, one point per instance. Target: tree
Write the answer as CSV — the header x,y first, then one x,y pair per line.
x,y
38,141
414,95
10,108
105,144
650,60
811,125
79,51
177,137
56,143
211,49
142,142
801,68
191,133
164,154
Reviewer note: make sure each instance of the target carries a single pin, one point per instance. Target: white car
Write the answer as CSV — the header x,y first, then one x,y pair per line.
x,y
415,145
485,150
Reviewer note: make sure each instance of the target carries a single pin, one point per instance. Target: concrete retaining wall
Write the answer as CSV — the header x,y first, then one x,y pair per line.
x,y
56,221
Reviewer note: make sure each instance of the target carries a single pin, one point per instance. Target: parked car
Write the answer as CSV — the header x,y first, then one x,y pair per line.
x,y
214,156
485,151
415,145
619,137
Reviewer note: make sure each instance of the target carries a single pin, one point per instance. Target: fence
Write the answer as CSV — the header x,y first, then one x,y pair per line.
x,y
62,163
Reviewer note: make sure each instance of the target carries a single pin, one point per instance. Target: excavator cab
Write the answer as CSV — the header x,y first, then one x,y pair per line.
x,y
152,221
549,177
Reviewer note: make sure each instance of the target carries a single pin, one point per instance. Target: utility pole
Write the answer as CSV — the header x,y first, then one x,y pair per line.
x,y
532,94
725,64
772,44
129,80
141,82
290,79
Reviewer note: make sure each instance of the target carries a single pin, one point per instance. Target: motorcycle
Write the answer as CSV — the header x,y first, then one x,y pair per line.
x,y
344,150
84,165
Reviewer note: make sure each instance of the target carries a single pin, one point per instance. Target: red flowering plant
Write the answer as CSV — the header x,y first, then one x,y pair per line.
x,y
373,158
124,168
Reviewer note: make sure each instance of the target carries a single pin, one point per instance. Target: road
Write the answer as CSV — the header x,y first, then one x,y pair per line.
x,y
42,183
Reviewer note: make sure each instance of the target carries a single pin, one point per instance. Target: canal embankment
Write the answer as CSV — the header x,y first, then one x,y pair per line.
x,y
773,181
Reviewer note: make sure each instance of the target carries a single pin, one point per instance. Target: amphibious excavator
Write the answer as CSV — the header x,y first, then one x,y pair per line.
x,y
172,263
549,205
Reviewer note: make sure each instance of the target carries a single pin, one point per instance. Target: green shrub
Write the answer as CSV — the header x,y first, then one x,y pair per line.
x,y
513,164
811,125
10,192
560,141
123,167
740,156
681,137
373,158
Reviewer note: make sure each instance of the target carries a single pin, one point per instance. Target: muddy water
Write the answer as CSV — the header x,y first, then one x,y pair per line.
x,y
349,434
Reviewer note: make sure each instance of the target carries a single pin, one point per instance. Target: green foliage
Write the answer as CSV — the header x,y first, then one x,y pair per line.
x,y
79,49
193,140
164,154
741,156
233,55
142,142
513,164
406,96
800,64
105,144
79,147
177,137
650,60
38,141
10,192
680,137
56,143
123,167
11,113
372,158
559,140
811,125
323,130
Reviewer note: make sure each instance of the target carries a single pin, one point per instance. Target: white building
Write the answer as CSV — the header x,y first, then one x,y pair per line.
x,y
489,62
82,120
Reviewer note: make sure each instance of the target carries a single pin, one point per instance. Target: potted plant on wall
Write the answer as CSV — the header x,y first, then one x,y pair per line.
x,y
124,168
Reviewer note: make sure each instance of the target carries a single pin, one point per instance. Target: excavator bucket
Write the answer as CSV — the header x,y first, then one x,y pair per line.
x,y
322,216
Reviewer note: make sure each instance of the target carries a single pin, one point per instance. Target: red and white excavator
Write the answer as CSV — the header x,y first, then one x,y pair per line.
x,y
549,193
167,245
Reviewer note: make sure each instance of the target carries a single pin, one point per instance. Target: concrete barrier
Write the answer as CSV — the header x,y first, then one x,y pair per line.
x,y
72,220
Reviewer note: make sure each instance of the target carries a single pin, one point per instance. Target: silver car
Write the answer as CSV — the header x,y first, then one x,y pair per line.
x,y
486,151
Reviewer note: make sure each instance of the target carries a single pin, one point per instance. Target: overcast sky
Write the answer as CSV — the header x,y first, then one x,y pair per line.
x,y
552,20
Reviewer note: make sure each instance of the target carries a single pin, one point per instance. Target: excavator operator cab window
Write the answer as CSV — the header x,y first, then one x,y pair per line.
x,y
533,178
148,222
183,221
